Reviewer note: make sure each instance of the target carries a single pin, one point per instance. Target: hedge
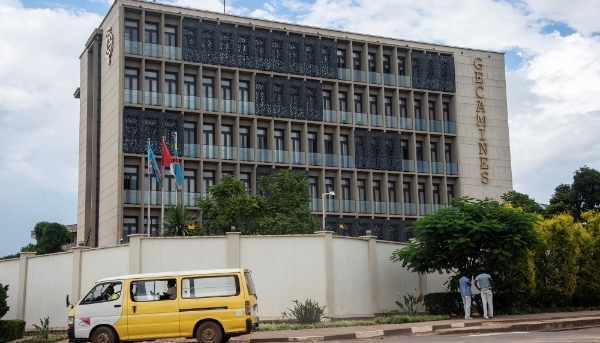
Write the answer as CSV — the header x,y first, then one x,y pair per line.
x,y
11,330
447,303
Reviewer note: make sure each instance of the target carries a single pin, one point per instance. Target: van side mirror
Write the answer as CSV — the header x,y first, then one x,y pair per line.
x,y
68,302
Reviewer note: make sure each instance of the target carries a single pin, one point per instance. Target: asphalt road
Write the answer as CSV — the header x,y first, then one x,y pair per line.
x,y
582,335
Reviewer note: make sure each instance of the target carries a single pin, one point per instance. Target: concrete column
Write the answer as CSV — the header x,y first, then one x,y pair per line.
x,y
233,250
329,286
135,253
76,279
22,287
373,273
423,284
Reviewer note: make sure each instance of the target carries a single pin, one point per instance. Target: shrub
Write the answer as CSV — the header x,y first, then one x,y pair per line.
x,y
308,313
444,303
43,330
11,330
3,296
411,304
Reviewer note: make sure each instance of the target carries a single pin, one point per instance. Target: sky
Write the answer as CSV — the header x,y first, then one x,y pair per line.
x,y
552,70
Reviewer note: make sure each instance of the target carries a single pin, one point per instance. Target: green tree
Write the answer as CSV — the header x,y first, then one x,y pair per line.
x,y
178,219
523,201
469,234
588,279
580,196
51,237
3,303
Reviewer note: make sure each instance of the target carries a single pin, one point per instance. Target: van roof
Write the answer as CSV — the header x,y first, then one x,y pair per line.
x,y
177,273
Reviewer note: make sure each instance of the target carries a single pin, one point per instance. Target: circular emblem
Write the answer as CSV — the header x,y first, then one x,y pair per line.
x,y
110,41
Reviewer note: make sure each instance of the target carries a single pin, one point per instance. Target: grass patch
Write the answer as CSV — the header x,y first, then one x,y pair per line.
x,y
397,319
53,337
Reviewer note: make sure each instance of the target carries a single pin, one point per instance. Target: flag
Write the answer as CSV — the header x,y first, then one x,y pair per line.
x,y
176,167
166,155
153,166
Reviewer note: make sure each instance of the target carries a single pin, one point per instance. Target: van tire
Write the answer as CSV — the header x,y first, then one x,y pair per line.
x,y
225,339
103,334
208,332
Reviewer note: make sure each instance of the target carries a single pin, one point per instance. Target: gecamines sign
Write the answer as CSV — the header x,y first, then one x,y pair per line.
x,y
484,164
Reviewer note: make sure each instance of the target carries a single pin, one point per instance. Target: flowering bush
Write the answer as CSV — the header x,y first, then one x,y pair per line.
x,y
308,313
412,304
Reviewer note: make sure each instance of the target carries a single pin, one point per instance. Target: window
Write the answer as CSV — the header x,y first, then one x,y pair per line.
x,y
261,138
313,187
328,143
170,35
387,69
189,180
131,30
401,66
446,111
327,100
153,290
341,58
189,85
387,105
244,137
226,135
376,190
436,193
373,104
210,287
360,189
154,223
356,60
404,146
358,103
433,148
450,191
131,78
279,140
107,291
151,78
372,62
421,193
130,227
345,189
420,151
342,102
296,141
170,83
406,191
448,152
402,105
312,142
391,191
169,181
189,132
226,89
130,179
344,147
151,33
431,110
418,109
208,180
245,178
329,185
208,87
208,134
244,91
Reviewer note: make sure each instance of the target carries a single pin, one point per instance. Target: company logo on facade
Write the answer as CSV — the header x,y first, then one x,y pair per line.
x,y
110,42
484,165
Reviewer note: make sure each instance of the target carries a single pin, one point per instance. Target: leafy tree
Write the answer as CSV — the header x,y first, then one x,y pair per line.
x,y
178,219
469,234
50,237
588,278
3,303
523,201
580,196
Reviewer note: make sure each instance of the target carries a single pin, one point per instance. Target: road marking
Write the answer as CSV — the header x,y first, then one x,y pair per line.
x,y
495,334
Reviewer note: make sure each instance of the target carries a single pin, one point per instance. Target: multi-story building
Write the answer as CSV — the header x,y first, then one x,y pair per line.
x,y
395,128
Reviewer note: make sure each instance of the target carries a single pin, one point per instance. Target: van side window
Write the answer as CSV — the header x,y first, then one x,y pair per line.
x,y
153,290
207,287
102,292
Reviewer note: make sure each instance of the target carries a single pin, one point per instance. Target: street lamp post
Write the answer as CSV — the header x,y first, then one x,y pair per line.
x,y
332,193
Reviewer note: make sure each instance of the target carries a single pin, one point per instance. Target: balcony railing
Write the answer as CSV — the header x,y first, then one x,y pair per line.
x,y
132,96
449,127
172,100
348,206
153,98
360,76
154,197
172,52
422,166
376,120
133,47
170,198
264,155
132,196
332,205
408,165
451,168
380,207
391,121
437,207
345,117
152,50
191,150
344,74
228,153
246,154
191,102
389,79
246,107
435,125
406,123
360,119
424,209
437,167
374,77
331,160
210,151
282,156
410,209
404,81
228,106
298,157
395,208
316,205
210,104
420,124
364,206
189,198
330,116
346,161
315,159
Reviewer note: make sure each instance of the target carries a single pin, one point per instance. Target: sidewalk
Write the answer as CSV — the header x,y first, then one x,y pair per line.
x,y
527,322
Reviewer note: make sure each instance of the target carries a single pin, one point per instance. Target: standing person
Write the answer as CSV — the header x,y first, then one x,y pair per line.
x,y
484,284
465,292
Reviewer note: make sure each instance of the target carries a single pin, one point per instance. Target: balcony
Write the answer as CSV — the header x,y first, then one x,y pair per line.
x,y
210,151
330,116
246,154
152,50
404,81
132,96
316,205
133,47
246,107
172,100
451,168
170,198
391,122
395,208
344,74
410,209
228,153
348,206
380,207
420,124
132,196
210,104
406,123
282,156
191,150
153,98
422,166
153,196
228,106
437,167
389,79
360,76
315,159
189,198
376,120
361,119
332,205
449,127
364,206
264,155
435,125
172,52
437,207
345,117
346,161
191,102
331,160
298,157
408,165
374,77
424,209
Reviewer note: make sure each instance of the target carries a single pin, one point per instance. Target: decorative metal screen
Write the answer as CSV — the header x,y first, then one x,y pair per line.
x,y
262,50
295,54
262,103
384,229
228,41
433,72
139,126
283,98
191,48
245,48
393,151
377,150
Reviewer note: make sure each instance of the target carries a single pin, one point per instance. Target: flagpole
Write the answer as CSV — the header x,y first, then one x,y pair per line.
x,y
149,188
162,201
176,153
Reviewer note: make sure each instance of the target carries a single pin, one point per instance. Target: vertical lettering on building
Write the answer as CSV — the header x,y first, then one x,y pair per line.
x,y
484,165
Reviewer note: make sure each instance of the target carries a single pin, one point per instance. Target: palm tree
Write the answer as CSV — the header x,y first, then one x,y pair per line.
x,y
178,219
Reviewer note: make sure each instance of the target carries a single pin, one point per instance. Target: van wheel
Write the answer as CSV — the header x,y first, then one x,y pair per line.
x,y
208,332
103,335
225,339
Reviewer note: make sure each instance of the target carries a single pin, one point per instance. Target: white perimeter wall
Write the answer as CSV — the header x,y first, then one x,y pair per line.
x,y
351,277
9,275
393,279
173,254
101,263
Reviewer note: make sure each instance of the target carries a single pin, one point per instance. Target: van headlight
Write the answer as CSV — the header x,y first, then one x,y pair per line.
x,y
71,321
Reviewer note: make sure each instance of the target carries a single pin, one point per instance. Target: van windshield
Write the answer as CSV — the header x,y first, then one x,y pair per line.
x,y
250,283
